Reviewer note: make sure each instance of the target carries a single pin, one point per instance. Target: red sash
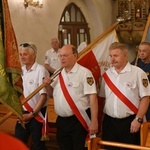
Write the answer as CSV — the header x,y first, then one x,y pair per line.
x,y
45,128
72,104
118,93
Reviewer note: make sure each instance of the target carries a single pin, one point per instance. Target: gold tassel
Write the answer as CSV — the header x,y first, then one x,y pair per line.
x,y
85,145
45,137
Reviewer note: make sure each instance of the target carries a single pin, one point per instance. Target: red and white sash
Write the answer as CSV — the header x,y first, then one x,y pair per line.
x,y
124,96
70,98
40,118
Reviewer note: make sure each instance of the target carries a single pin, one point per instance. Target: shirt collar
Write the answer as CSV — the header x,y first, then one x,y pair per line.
x,y
74,69
32,68
127,68
55,51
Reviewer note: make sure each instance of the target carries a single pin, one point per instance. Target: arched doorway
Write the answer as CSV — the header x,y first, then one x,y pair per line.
x,y
73,28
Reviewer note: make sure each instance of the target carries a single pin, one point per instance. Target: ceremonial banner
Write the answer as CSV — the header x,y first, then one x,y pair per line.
x,y
10,67
146,33
96,59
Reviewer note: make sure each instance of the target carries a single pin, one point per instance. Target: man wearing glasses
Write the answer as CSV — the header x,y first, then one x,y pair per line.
x,y
75,101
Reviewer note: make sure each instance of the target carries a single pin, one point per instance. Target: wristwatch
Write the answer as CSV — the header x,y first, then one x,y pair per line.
x,y
140,120
33,113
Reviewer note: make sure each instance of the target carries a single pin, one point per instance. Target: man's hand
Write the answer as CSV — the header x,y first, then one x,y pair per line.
x,y
135,126
27,117
47,80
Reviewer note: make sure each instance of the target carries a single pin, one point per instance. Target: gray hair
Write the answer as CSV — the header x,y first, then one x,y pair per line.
x,y
117,45
53,39
28,46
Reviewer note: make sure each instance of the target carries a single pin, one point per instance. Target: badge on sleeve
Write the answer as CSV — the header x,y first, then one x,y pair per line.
x,y
145,82
90,80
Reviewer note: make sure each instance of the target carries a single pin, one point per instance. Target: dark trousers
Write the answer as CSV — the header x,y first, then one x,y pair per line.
x,y
148,114
118,130
71,134
35,129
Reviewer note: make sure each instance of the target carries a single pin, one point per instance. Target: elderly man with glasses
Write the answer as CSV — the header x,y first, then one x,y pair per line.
x,y
75,101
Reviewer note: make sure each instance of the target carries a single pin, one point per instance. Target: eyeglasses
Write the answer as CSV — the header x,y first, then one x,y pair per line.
x,y
63,56
27,45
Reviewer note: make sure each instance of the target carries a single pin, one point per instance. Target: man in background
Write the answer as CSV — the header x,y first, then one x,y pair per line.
x,y
52,61
144,63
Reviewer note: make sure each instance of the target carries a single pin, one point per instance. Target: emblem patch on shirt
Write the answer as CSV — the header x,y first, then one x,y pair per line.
x,y
70,84
145,82
129,84
31,81
90,80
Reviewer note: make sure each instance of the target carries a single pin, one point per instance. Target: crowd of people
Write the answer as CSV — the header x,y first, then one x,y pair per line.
x,y
125,87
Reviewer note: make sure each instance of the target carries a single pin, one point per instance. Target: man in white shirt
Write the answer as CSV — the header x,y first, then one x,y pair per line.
x,y
52,61
75,98
35,109
127,93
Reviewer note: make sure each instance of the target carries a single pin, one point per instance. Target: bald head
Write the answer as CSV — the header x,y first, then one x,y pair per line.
x,y
68,56
55,44
71,48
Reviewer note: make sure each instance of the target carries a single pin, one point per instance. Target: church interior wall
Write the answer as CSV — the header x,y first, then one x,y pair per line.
x,y
39,25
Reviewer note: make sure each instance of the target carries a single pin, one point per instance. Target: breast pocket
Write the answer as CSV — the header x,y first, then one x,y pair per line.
x,y
32,85
129,85
56,89
77,88
53,60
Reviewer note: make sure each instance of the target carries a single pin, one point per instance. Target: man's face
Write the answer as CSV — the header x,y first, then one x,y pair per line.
x,y
144,52
67,58
26,57
55,44
118,58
